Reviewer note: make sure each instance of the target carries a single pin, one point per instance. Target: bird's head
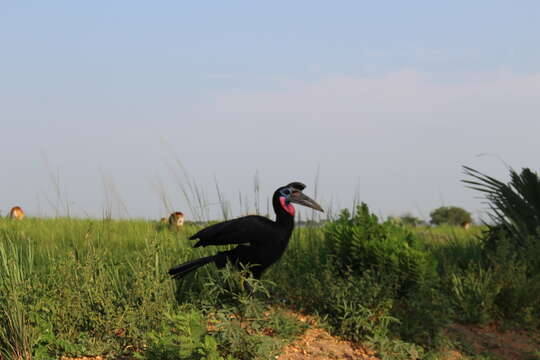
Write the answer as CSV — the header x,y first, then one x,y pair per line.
x,y
292,193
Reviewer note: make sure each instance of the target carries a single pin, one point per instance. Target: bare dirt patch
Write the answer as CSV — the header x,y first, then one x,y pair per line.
x,y
489,340
318,344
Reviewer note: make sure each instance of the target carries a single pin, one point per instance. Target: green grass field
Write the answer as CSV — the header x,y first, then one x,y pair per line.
x,y
100,287
75,287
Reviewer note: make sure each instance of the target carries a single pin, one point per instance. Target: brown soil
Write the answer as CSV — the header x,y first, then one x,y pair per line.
x,y
491,341
318,344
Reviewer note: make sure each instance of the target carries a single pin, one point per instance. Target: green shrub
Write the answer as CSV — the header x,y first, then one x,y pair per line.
x,y
474,292
450,215
182,335
361,243
518,279
406,219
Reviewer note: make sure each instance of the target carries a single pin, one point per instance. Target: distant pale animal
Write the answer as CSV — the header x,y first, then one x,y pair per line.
x,y
16,213
176,220
466,225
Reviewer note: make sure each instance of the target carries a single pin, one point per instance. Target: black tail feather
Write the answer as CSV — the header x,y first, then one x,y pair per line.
x,y
181,270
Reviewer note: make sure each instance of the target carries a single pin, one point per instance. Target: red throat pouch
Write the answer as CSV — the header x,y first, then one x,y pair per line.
x,y
289,208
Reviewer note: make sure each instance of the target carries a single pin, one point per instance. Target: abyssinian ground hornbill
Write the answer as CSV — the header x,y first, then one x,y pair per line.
x,y
262,241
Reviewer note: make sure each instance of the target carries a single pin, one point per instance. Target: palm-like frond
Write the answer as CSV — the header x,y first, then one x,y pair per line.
x,y
514,206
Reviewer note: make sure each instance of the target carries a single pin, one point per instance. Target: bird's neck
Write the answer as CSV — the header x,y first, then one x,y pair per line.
x,y
285,220
284,213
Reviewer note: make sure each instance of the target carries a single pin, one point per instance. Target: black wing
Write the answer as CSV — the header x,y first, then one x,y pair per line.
x,y
247,229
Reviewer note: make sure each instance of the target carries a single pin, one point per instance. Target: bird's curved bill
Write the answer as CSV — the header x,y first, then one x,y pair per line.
x,y
300,198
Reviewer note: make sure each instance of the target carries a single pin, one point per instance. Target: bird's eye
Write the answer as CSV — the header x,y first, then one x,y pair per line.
x,y
286,192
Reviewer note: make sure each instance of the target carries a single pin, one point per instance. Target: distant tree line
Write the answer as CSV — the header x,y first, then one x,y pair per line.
x,y
444,215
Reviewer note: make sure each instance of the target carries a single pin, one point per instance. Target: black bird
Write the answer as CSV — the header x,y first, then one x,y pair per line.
x,y
262,240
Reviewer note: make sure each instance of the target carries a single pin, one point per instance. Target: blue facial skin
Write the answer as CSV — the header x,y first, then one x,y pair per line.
x,y
286,193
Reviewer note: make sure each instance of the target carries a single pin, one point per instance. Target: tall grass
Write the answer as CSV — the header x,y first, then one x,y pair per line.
x,y
16,337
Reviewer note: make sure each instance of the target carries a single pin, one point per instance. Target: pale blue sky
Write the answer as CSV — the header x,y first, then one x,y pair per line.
x,y
388,98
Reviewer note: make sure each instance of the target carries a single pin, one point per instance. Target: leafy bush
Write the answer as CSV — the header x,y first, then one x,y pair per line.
x,y
369,281
355,306
181,336
361,243
406,219
450,215
517,275
474,292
